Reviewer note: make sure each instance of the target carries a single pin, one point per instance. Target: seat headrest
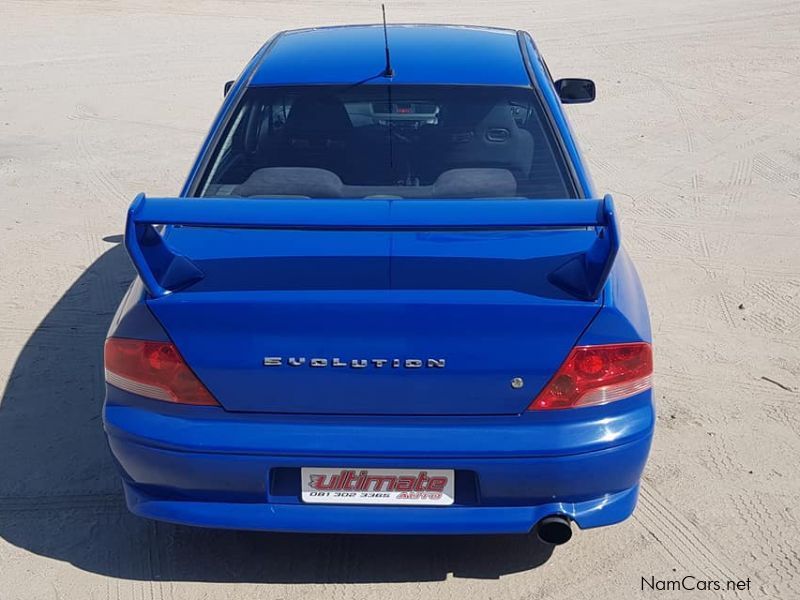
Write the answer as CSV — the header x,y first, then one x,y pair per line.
x,y
318,113
464,115
475,183
291,181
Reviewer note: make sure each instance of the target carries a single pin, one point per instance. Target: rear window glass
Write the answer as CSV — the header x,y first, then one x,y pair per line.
x,y
374,141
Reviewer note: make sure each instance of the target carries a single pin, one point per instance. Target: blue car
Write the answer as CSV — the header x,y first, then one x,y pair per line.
x,y
388,300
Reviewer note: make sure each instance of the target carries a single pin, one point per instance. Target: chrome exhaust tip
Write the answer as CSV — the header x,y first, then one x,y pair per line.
x,y
554,530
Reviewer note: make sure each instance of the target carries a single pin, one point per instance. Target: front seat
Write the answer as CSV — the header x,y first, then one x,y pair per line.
x,y
485,137
317,134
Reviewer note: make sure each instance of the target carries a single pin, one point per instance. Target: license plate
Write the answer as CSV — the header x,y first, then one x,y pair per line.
x,y
411,487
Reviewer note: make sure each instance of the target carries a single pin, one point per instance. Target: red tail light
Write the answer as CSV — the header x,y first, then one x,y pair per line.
x,y
155,370
594,375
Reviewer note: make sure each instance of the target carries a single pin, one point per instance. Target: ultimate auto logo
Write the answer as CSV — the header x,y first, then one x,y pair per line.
x,y
347,480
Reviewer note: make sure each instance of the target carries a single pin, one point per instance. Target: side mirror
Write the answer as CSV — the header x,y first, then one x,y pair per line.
x,y
228,86
575,91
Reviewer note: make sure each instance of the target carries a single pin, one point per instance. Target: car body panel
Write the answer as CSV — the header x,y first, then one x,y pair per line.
x,y
303,294
437,54
231,470
528,434
607,509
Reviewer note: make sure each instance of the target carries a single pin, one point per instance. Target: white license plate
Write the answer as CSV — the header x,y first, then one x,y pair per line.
x,y
427,487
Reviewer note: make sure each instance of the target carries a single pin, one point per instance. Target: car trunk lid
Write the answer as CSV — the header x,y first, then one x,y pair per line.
x,y
400,308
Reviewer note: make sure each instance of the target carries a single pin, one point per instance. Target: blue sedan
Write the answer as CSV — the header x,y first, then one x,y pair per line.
x,y
387,300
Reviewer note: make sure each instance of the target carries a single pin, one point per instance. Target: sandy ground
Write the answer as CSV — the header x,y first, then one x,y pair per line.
x,y
696,133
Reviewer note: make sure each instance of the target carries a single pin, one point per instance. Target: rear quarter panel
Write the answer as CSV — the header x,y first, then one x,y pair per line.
x,y
624,316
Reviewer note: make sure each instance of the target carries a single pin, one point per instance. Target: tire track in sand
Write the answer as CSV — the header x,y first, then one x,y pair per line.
x,y
681,540
104,186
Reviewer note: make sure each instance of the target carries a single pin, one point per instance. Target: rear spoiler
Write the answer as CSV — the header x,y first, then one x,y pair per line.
x,y
163,271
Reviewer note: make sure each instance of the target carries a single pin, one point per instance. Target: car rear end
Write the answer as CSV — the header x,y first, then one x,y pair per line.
x,y
442,336
229,399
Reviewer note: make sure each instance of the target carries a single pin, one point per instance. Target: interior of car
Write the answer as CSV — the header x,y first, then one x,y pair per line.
x,y
373,141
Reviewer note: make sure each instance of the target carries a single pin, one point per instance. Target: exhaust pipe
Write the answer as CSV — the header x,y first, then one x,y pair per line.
x,y
555,530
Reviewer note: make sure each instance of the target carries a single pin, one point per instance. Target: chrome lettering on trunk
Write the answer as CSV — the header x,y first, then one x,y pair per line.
x,y
355,363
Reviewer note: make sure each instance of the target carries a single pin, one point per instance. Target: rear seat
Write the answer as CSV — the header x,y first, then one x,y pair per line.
x,y
310,182
306,182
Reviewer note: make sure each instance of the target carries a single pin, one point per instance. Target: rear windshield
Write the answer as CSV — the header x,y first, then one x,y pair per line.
x,y
376,141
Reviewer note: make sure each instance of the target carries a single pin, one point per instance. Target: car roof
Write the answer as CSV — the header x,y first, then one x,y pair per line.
x,y
420,54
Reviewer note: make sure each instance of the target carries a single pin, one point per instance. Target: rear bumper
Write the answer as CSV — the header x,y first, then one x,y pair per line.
x,y
607,510
214,469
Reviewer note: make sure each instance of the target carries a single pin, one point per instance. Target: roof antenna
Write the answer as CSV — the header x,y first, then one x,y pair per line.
x,y
388,71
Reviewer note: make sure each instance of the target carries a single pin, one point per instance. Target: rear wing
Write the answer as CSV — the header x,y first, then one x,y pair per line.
x,y
163,271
